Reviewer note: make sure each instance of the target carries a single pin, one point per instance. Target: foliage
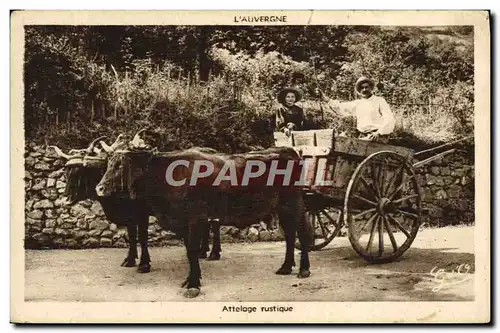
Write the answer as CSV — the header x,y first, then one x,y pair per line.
x,y
216,85
427,81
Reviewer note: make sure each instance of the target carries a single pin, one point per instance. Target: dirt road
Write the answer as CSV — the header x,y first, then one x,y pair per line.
x,y
246,273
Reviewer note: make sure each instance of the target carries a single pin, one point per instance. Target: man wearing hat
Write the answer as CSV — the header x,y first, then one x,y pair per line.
x,y
373,115
289,116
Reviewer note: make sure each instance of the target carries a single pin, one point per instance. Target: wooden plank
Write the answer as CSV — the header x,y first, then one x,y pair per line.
x,y
320,138
303,138
312,151
358,147
324,138
281,140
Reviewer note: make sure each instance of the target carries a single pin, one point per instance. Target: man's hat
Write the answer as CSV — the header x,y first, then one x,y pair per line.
x,y
282,94
362,80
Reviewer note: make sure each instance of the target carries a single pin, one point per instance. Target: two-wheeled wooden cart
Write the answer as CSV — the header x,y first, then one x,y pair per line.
x,y
369,187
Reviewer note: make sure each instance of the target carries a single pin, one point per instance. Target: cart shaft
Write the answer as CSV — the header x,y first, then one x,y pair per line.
x,y
432,158
442,146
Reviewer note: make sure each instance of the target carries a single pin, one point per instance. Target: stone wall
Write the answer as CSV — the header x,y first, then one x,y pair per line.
x,y
448,188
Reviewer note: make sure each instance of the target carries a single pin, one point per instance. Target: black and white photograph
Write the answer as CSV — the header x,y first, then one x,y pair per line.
x,y
263,162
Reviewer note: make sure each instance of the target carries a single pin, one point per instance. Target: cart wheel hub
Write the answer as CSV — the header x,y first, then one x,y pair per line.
x,y
385,206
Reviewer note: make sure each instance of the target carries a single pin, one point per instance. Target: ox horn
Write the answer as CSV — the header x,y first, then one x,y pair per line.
x,y
137,142
60,152
77,151
114,146
105,147
118,141
90,149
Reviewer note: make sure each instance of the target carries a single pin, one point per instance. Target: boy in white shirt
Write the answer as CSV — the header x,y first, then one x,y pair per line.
x,y
373,115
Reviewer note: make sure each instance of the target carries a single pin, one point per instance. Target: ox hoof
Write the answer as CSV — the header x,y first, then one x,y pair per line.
x,y
284,271
146,268
304,274
214,256
128,263
192,285
192,292
202,255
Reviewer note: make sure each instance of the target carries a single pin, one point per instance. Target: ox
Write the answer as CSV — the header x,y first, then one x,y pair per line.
x,y
85,168
141,174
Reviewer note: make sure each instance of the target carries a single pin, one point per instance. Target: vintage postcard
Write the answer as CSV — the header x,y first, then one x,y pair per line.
x,y
250,166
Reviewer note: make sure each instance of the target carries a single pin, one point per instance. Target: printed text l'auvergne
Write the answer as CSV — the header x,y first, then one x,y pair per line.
x,y
260,18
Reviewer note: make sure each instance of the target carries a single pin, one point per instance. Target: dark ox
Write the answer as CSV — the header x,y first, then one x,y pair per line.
x,y
142,175
85,168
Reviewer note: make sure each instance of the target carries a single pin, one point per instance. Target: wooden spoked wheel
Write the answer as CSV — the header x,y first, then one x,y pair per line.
x,y
382,207
325,222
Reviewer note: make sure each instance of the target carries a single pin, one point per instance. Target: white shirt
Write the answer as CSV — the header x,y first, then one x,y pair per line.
x,y
371,113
